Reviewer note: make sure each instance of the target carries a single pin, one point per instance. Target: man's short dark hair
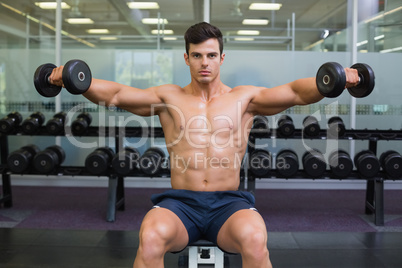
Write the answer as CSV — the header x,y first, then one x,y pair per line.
x,y
201,32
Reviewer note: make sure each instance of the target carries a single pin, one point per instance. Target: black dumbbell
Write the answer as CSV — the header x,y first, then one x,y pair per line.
x,y
32,124
340,163
367,163
331,80
20,160
336,127
48,159
286,128
56,125
287,163
99,161
76,77
260,123
9,123
311,128
125,161
151,161
314,163
391,162
80,125
260,162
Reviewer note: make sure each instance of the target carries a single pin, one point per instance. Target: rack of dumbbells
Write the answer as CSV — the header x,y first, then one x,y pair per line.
x,y
339,165
103,161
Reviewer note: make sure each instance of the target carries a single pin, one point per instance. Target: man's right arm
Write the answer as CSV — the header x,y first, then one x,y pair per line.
x,y
108,93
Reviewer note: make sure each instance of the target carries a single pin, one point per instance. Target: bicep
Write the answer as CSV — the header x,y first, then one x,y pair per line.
x,y
143,102
137,101
270,101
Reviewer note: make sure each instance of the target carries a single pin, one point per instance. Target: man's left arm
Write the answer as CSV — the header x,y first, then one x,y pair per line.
x,y
270,101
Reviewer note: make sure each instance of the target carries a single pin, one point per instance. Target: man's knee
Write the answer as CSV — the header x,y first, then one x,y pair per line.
x,y
155,234
160,234
254,243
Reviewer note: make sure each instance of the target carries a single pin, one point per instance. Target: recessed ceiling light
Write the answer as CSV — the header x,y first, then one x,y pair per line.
x,y
162,31
265,6
255,22
169,38
51,5
108,38
248,32
244,39
143,5
379,37
154,21
98,31
80,21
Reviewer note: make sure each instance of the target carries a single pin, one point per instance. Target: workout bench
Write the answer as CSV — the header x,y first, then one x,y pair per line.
x,y
205,252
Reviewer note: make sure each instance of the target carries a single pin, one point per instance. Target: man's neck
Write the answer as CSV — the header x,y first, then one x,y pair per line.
x,y
207,91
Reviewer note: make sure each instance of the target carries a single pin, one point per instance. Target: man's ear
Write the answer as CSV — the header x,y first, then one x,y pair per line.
x,y
222,58
186,59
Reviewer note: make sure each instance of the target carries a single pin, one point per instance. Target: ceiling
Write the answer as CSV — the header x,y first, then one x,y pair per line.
x,y
311,18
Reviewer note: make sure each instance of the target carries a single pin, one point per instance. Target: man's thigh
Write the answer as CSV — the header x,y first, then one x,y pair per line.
x,y
238,228
168,226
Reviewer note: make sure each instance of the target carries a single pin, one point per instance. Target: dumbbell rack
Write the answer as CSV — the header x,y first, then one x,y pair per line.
x,y
374,203
116,199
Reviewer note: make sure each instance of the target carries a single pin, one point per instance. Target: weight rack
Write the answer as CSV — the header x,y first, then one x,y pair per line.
x,y
116,198
374,201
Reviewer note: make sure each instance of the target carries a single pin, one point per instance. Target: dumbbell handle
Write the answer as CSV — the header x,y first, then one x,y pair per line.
x,y
326,80
81,77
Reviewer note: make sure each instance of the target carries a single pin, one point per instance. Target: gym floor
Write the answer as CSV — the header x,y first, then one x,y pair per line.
x,y
74,248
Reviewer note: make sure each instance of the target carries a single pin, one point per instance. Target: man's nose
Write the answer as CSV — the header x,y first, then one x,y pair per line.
x,y
204,61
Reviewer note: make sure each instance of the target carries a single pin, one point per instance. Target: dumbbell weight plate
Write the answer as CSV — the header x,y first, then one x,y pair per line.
x,y
340,163
18,162
331,79
287,163
41,83
125,161
98,161
47,160
367,81
59,151
314,163
286,126
391,162
151,161
260,122
336,127
56,125
77,77
367,163
44,162
32,123
80,125
260,162
8,124
311,127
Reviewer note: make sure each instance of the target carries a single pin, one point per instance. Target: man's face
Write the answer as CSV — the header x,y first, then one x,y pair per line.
x,y
204,60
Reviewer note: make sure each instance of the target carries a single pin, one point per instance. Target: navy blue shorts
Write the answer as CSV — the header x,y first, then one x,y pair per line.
x,y
203,213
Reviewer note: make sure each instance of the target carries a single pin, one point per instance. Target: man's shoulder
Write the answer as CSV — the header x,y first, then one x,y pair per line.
x,y
246,89
169,89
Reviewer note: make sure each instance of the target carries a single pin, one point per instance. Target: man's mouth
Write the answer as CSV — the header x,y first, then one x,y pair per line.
x,y
204,72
